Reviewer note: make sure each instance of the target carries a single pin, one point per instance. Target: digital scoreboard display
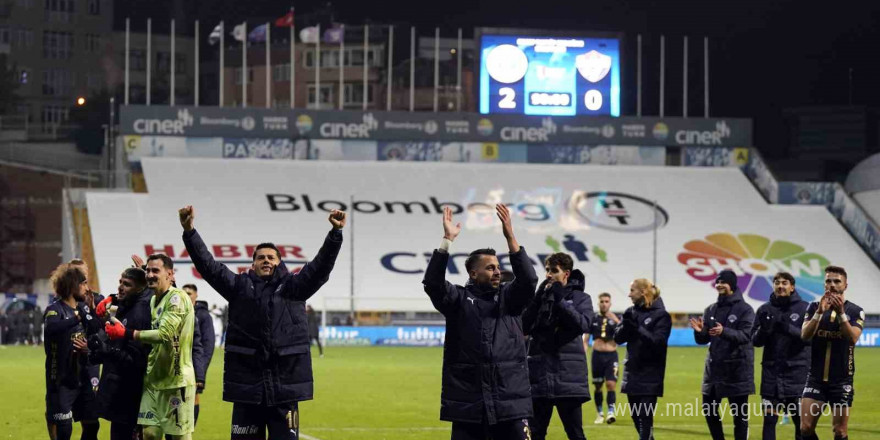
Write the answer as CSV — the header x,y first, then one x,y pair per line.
x,y
557,76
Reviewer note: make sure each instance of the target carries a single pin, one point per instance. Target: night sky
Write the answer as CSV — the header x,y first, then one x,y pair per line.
x,y
765,55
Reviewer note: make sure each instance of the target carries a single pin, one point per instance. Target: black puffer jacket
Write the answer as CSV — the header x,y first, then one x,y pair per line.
x,y
485,375
786,359
557,362
204,328
267,356
645,331
730,363
125,362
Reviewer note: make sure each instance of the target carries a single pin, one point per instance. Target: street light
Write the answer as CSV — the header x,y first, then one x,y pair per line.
x,y
80,101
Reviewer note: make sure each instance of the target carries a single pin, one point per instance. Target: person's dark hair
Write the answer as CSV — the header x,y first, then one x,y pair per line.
x,y
784,276
605,295
561,260
266,246
166,260
190,286
66,278
475,256
137,275
836,269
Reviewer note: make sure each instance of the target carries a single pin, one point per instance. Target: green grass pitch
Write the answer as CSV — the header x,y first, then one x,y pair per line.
x,y
373,393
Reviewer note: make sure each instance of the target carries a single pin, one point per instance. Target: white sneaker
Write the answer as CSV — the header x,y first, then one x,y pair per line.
x,y
610,419
600,419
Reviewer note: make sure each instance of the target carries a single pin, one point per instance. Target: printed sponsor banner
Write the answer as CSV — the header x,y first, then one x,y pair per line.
x,y
437,127
806,193
715,157
706,219
434,336
597,155
451,152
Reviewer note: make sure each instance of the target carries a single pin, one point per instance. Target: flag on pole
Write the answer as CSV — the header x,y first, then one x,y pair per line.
x,y
258,34
309,35
238,32
334,34
286,20
214,38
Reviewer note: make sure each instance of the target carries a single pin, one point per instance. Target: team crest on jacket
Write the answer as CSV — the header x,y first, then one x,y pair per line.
x,y
174,402
794,316
647,320
731,319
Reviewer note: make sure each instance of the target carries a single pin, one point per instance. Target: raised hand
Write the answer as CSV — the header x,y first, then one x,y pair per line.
x,y
137,260
187,215
824,303
450,230
337,219
507,227
697,324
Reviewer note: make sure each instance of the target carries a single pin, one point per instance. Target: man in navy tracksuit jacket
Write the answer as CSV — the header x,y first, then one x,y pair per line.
x,y
556,318
729,370
485,375
786,360
267,362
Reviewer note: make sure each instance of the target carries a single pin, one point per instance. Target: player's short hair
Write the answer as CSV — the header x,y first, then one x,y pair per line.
x,y
836,269
66,278
266,246
166,260
190,286
137,275
561,260
605,295
784,276
475,256
651,291
77,262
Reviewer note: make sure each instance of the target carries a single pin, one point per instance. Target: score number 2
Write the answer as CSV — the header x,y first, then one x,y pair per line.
x,y
507,98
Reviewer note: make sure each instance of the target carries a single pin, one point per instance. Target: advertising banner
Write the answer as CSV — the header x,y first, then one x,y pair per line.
x,y
705,220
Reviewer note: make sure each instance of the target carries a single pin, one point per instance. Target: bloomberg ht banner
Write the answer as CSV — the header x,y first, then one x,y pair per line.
x,y
443,127
705,220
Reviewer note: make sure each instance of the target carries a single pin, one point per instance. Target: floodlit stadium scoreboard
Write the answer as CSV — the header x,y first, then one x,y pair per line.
x,y
549,75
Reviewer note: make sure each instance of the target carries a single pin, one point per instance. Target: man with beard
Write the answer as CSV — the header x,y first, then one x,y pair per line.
x,y
125,360
833,325
267,366
168,397
485,376
786,357
65,345
554,321
730,370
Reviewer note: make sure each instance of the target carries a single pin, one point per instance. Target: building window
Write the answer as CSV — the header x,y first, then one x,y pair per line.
x,y
53,115
326,96
138,60
180,63
57,82
94,7
22,38
354,94
237,75
163,62
23,75
281,73
59,10
93,43
26,4
57,45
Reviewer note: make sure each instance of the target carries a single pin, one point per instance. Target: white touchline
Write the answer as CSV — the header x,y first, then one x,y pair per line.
x,y
308,437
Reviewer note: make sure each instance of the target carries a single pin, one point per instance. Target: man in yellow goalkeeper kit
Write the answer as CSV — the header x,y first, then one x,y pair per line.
x,y
167,403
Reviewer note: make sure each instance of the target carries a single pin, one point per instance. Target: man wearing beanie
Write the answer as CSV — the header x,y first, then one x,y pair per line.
x,y
727,326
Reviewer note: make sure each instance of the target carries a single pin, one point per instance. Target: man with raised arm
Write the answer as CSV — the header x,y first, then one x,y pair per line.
x,y
485,374
267,365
